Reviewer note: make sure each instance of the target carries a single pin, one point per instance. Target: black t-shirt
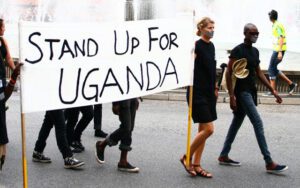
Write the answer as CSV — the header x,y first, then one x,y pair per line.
x,y
252,55
204,70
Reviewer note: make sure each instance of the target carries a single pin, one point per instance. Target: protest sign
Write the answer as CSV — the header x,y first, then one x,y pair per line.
x,y
68,65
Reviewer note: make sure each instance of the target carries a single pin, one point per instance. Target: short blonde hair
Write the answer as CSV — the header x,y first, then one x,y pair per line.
x,y
203,23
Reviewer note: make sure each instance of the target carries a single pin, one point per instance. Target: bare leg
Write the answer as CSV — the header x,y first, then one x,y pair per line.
x,y
2,155
285,78
273,84
199,150
1,150
205,130
123,157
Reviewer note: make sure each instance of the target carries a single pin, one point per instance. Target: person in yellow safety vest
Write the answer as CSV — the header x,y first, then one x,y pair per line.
x,y
279,48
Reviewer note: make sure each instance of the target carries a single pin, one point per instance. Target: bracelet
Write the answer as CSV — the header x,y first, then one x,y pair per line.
x,y
12,81
11,84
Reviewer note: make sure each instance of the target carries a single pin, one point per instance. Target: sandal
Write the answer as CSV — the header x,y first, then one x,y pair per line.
x,y
202,172
190,169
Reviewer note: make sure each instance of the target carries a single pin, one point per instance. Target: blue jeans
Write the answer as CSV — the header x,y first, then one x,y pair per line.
x,y
246,106
274,62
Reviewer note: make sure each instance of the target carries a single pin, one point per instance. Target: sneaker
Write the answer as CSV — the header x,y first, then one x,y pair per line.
x,y
77,147
40,157
100,134
99,153
276,168
128,168
228,161
292,88
72,162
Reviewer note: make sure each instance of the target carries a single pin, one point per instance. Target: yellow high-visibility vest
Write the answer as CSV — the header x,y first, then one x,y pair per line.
x,y
278,31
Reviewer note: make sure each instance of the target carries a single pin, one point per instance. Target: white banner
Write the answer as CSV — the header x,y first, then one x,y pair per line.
x,y
69,65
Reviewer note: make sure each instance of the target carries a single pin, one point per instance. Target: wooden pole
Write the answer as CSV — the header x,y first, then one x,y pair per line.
x,y
188,143
24,161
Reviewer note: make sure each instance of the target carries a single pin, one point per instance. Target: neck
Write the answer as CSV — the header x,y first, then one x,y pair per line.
x,y
207,40
247,42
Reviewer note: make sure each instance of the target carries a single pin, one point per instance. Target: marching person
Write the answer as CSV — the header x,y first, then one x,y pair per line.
x,y
279,48
126,110
5,89
243,99
205,93
56,118
5,93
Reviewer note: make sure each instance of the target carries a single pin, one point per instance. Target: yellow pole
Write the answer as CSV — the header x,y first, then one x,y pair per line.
x,y
189,126
24,161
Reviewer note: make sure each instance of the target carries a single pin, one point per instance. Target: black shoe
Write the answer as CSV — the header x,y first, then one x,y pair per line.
x,y
40,157
99,153
77,147
292,88
128,168
100,133
276,168
228,161
72,162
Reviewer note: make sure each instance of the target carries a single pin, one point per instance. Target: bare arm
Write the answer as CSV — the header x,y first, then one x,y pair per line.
x,y
228,76
8,57
10,86
264,80
280,42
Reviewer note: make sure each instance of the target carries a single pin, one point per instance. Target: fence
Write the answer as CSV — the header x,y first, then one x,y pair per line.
x,y
281,86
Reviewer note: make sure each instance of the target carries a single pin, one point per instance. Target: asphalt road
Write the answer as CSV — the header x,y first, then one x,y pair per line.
x,y
159,140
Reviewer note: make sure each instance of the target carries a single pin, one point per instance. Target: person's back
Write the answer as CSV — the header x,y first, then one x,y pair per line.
x,y
278,31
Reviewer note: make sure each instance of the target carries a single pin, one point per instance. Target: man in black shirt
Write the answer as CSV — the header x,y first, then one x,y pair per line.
x,y
243,99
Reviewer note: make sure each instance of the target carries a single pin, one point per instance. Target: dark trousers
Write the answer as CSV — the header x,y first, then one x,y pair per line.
x,y
123,133
75,127
56,118
98,116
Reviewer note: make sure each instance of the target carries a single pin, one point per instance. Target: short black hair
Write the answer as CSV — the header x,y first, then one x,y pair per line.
x,y
273,15
248,26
